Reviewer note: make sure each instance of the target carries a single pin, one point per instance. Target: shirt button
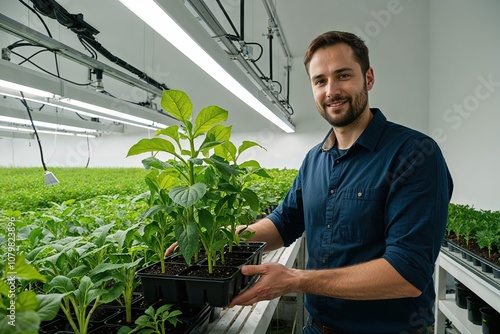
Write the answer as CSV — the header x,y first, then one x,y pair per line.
x,y
360,194
324,261
328,226
336,161
332,191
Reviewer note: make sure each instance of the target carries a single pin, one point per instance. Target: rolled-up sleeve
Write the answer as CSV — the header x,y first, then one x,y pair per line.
x,y
416,211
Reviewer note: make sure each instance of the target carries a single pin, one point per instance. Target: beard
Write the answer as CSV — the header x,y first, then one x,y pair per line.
x,y
356,107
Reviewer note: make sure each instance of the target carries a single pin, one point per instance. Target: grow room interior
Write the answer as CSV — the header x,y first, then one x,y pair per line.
x,y
93,96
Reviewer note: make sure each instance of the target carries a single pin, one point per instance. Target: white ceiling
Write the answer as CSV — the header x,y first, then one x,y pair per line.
x,y
127,37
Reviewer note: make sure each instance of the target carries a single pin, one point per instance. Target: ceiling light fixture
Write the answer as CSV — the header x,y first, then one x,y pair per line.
x,y
14,120
81,112
35,84
160,21
64,133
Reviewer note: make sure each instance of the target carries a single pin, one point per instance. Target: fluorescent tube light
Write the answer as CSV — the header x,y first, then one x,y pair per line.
x,y
55,105
111,112
16,78
45,124
163,24
30,130
15,87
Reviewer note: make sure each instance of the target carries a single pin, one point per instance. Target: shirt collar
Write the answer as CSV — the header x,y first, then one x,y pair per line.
x,y
370,136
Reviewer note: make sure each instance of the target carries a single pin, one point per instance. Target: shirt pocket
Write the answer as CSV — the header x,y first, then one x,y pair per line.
x,y
361,216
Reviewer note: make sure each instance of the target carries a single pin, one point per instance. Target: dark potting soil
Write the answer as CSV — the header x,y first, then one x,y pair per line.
x,y
102,313
246,248
474,248
217,272
170,269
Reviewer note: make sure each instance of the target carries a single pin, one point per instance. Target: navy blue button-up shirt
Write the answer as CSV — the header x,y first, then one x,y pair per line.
x,y
386,197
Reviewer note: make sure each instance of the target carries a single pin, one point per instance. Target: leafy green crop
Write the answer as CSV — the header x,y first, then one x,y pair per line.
x,y
27,190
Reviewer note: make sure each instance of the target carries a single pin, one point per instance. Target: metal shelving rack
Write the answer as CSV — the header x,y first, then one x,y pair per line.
x,y
481,283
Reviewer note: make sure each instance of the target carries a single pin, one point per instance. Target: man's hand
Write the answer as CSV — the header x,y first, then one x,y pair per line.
x,y
171,249
275,280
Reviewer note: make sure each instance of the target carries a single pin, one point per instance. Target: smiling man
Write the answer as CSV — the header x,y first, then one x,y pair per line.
x,y
372,199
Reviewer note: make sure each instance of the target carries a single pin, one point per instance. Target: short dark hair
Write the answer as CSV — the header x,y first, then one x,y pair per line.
x,y
336,37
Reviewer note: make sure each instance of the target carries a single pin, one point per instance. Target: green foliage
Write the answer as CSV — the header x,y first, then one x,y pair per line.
x,y
272,191
153,322
82,299
201,186
482,225
27,190
22,309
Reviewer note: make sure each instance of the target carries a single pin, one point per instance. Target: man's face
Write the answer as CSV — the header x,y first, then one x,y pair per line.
x,y
340,90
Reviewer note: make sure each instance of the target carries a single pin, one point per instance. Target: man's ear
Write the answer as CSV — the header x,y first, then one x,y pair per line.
x,y
369,79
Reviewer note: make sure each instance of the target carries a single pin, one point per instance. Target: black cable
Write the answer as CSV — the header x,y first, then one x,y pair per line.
x,y
46,28
88,150
262,75
242,19
86,32
34,54
270,37
39,17
23,101
288,83
221,6
87,47
50,73
77,114
103,51
261,50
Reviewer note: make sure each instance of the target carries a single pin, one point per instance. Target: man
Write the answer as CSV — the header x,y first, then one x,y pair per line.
x,y
372,199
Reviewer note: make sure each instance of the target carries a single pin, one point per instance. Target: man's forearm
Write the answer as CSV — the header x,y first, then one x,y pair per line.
x,y
266,231
372,280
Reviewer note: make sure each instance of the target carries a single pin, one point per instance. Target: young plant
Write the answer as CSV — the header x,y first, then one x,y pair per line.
x,y
153,322
82,300
487,239
191,185
157,234
21,309
126,256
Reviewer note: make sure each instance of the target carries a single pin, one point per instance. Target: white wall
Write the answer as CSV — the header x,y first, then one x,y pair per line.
x,y
464,96
396,33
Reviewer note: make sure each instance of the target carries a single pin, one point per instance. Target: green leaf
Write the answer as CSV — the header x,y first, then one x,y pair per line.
x,y
250,164
109,295
220,132
26,300
171,131
150,311
177,104
222,166
246,145
61,284
26,322
208,117
24,269
154,162
4,288
206,220
188,239
167,181
226,151
78,272
187,196
152,145
251,199
48,306
208,144
162,309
